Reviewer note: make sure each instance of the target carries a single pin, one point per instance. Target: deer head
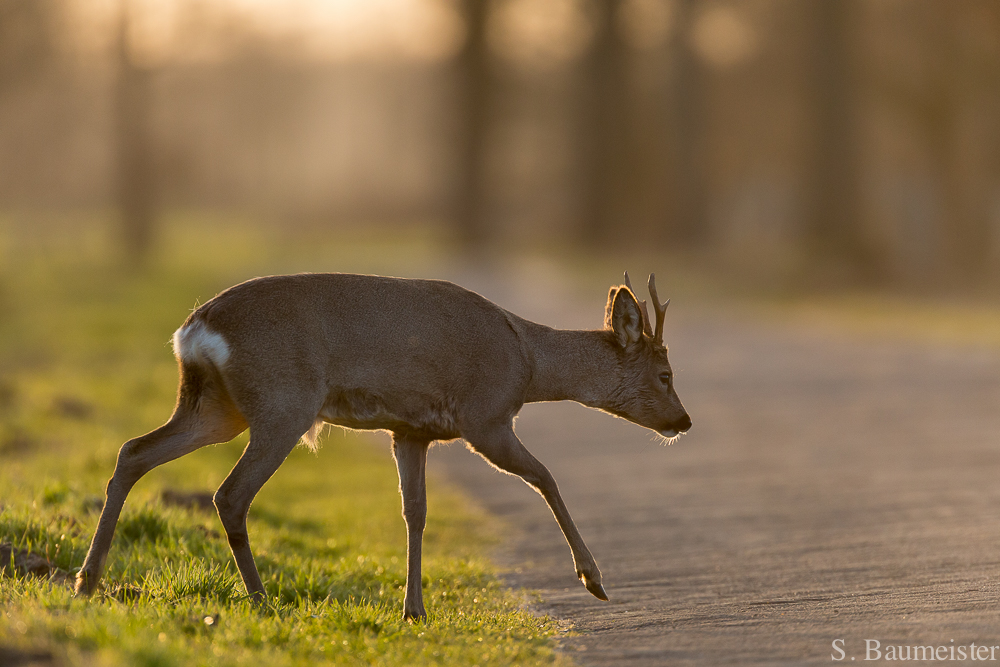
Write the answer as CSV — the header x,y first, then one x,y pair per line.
x,y
646,395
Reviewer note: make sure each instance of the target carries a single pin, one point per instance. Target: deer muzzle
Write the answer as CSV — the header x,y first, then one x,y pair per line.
x,y
682,425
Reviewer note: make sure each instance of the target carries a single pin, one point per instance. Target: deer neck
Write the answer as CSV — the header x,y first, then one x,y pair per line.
x,y
581,366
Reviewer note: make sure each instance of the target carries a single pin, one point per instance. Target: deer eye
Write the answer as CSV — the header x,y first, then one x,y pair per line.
x,y
666,377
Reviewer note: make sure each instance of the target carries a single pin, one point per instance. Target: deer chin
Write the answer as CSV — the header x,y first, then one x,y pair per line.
x,y
668,436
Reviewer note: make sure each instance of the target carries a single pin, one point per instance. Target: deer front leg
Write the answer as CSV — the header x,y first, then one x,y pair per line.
x,y
411,460
505,451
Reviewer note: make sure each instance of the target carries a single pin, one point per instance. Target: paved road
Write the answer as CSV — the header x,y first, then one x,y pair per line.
x,y
831,488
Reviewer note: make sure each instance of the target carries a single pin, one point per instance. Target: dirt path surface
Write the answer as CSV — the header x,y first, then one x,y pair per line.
x,y
831,488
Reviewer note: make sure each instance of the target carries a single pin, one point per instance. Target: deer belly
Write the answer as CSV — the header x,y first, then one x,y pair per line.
x,y
359,409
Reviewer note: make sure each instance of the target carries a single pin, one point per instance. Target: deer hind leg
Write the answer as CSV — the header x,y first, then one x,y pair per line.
x,y
270,443
505,451
411,460
193,425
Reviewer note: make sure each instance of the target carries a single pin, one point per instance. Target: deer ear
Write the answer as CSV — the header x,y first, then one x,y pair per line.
x,y
610,308
624,316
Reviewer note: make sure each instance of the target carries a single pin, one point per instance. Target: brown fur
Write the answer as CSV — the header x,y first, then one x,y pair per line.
x,y
425,360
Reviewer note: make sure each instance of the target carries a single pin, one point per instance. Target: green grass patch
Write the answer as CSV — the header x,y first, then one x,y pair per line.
x,y
85,364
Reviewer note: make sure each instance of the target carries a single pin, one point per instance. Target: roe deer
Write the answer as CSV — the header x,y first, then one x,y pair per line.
x,y
425,360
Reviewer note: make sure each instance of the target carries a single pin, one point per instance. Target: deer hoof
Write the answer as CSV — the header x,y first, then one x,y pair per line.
x,y
86,583
595,588
415,616
259,601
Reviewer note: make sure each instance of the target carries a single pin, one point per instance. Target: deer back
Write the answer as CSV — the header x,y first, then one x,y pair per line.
x,y
366,351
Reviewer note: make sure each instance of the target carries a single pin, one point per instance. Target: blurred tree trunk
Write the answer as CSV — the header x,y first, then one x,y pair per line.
x,y
27,43
835,230
688,222
959,91
950,96
605,143
474,90
135,169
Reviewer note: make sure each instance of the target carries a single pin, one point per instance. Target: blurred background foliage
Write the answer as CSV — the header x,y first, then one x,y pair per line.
x,y
810,142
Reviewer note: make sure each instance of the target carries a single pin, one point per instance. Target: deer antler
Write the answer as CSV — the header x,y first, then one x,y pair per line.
x,y
645,311
661,310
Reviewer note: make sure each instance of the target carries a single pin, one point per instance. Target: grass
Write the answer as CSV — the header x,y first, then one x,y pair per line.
x,y
85,364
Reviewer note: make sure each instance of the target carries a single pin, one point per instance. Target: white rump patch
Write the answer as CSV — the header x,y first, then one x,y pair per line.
x,y
196,343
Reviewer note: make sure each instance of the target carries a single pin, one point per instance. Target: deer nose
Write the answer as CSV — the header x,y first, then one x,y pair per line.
x,y
683,424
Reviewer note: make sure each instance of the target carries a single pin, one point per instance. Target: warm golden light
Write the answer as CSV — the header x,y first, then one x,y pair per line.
x,y
723,37
540,33
326,30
